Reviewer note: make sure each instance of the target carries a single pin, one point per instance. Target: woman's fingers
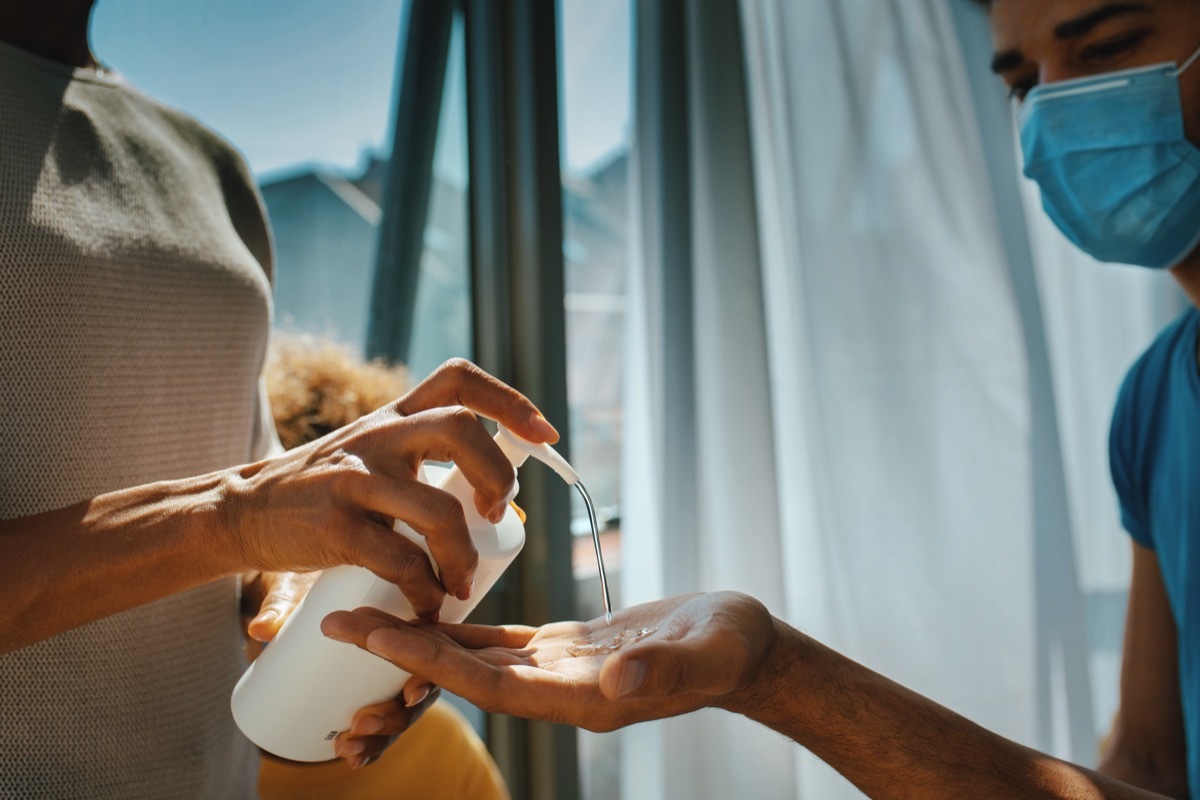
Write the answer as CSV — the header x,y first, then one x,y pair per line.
x,y
283,592
375,727
394,558
460,383
437,516
455,434
392,717
333,500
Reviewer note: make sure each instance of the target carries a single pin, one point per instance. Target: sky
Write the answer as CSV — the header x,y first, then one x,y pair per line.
x,y
294,82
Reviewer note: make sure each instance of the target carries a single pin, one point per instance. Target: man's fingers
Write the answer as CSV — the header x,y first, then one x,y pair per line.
x,y
355,626
478,637
459,382
423,653
705,664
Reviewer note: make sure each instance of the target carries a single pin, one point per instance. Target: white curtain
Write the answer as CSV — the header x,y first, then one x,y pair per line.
x,y
889,421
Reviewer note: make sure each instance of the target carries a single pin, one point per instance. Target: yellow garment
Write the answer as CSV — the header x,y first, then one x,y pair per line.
x,y
438,758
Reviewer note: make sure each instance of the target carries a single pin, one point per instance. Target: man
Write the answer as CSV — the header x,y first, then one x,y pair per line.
x,y
141,474
1110,122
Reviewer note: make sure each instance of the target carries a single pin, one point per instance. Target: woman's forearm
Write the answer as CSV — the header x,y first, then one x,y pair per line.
x,y
71,566
894,743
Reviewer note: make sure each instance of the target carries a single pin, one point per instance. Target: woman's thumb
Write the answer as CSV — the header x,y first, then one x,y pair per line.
x,y
283,595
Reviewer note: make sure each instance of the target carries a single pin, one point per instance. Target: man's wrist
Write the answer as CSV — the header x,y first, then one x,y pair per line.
x,y
774,682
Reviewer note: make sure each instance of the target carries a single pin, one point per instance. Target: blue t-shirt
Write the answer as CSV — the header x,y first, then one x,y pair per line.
x,y
1154,453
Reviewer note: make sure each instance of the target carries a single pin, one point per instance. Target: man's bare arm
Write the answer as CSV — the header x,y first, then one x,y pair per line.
x,y
1147,747
726,650
893,743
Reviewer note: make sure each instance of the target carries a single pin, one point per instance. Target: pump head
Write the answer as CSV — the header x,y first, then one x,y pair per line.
x,y
518,449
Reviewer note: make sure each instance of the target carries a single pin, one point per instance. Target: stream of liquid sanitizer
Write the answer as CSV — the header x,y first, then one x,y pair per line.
x,y
587,647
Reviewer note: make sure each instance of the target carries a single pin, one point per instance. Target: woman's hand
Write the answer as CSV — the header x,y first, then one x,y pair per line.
x,y
333,501
268,599
681,654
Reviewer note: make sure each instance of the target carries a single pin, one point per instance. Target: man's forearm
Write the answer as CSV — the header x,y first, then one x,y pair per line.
x,y
894,743
1155,771
71,566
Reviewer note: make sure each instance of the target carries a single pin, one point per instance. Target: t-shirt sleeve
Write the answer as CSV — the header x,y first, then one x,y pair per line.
x,y
1123,463
265,441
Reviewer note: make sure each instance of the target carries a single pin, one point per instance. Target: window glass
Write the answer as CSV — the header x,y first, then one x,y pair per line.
x,y
442,322
306,96
596,112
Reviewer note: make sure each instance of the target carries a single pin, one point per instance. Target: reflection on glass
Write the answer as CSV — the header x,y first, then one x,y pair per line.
x,y
594,86
443,308
594,67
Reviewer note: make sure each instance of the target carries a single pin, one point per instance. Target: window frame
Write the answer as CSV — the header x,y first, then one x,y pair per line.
x,y
517,287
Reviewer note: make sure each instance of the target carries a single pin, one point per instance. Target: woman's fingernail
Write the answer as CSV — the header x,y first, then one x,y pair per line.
x,y
418,698
633,675
362,761
367,726
267,617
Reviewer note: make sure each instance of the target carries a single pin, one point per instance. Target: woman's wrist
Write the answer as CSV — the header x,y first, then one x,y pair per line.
x,y
186,521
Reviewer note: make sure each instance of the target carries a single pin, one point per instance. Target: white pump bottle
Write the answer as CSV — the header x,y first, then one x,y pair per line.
x,y
304,688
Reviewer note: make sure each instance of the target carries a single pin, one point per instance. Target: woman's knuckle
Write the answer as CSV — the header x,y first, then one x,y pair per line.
x,y
344,480
459,366
461,420
412,562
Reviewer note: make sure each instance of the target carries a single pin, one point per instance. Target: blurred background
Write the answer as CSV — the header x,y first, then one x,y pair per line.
x,y
770,268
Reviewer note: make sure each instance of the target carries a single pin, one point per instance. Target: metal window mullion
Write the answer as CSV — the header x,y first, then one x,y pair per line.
x,y
520,327
421,76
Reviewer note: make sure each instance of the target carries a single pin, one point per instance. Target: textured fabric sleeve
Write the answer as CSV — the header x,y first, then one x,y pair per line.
x,y
247,211
1123,461
265,443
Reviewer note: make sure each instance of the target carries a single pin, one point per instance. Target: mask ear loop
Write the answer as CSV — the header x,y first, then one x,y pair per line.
x,y
1188,63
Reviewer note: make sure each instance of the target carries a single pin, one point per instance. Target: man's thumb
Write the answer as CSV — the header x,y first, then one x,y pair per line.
x,y
666,668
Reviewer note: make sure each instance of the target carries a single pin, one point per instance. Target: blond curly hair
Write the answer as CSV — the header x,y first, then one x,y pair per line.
x,y
316,385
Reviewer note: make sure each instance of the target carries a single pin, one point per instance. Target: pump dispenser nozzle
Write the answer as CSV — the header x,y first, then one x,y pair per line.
x,y
518,449
303,690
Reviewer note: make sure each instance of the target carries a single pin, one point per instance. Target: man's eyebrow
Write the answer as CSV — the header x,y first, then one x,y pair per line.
x,y
1073,29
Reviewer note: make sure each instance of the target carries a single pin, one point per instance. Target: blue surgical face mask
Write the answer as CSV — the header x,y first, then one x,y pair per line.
x,y
1118,176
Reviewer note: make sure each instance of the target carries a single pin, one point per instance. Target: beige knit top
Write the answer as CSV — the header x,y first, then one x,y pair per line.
x,y
134,310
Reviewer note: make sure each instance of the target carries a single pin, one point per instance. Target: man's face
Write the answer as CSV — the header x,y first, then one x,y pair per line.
x,y
1045,41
